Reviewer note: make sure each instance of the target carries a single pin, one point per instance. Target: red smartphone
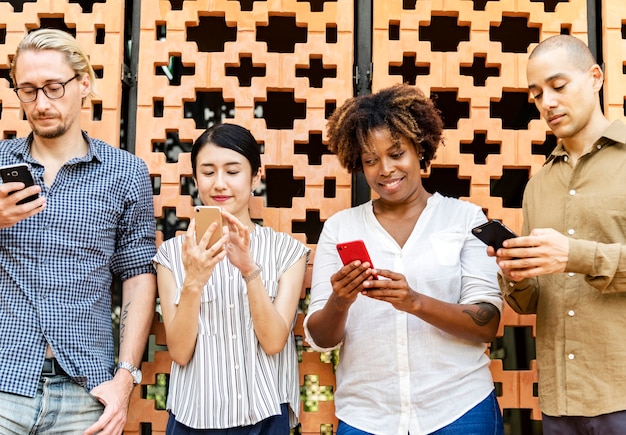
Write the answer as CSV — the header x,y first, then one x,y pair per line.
x,y
205,215
354,250
18,173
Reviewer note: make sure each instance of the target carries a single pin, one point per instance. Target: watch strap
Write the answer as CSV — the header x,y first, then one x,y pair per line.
x,y
134,371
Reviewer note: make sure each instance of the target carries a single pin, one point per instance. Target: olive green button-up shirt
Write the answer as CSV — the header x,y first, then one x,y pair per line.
x,y
581,313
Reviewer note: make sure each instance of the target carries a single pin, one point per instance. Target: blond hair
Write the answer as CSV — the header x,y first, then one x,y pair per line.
x,y
59,40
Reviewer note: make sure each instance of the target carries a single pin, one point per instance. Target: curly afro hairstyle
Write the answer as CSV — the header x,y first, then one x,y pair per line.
x,y
402,109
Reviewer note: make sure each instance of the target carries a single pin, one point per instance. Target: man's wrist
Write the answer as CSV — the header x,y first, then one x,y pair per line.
x,y
134,371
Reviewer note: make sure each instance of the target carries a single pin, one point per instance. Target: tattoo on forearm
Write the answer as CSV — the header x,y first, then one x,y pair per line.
x,y
123,322
485,313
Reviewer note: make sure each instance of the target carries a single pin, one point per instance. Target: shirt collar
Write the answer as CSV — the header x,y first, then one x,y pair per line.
x,y
23,151
615,133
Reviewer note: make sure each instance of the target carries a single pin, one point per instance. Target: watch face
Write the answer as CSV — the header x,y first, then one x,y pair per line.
x,y
134,371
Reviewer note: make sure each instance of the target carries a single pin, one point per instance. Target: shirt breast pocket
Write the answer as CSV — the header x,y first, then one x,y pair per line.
x,y
447,247
207,323
602,218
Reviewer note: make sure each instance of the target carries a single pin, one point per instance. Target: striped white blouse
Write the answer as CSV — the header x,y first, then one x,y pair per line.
x,y
230,381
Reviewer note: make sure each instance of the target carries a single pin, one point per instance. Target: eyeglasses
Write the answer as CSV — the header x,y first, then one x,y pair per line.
x,y
53,91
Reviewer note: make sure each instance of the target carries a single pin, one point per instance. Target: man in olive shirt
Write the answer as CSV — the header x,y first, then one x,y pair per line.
x,y
570,267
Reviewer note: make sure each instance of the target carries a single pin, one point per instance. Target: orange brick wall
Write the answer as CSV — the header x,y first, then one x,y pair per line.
x,y
322,38
614,46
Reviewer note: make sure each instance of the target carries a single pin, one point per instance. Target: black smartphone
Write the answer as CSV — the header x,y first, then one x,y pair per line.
x,y
493,233
19,173
354,250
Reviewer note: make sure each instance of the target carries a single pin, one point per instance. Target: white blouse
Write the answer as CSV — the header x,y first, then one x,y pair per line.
x,y
230,381
398,374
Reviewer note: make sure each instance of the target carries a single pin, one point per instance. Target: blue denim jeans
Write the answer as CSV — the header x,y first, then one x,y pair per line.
x,y
483,419
59,407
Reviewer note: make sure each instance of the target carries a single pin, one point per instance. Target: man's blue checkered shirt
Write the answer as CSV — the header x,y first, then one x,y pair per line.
x,y
56,267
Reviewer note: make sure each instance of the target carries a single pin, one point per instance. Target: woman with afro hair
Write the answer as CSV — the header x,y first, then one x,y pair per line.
x,y
414,324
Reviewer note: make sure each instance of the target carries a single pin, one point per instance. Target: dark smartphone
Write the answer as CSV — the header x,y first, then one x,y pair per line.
x,y
18,173
354,250
493,233
205,215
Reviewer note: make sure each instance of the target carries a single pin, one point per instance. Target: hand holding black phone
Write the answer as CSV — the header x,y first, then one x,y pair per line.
x,y
493,233
19,173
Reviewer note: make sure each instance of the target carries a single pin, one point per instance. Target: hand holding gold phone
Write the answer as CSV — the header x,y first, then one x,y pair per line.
x,y
205,215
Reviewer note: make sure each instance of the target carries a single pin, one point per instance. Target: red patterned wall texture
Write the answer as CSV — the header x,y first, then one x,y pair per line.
x,y
280,67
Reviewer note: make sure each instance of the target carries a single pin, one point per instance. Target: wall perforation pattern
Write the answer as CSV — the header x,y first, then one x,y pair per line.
x,y
469,54
614,47
280,77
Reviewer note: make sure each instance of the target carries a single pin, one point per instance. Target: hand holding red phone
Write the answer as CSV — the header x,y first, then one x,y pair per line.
x,y
353,251
348,281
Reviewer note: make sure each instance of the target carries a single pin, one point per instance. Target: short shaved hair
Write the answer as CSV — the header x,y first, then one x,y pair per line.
x,y
581,56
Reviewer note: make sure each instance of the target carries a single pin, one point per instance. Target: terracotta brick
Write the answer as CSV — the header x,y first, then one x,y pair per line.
x,y
614,48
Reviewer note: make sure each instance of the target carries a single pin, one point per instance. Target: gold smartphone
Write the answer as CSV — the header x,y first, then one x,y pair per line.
x,y
205,215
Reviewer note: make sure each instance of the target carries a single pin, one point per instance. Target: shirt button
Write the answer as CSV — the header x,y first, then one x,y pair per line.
x,y
572,192
512,284
571,231
570,313
234,336
571,356
566,158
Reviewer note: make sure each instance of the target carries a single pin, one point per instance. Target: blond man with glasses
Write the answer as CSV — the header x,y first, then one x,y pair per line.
x,y
91,219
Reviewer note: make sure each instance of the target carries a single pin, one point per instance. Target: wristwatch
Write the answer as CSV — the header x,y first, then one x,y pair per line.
x,y
134,371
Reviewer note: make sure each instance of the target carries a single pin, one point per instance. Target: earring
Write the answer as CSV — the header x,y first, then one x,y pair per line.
x,y
252,193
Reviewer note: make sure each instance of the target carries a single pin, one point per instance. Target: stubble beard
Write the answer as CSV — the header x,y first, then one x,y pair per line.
x,y
50,134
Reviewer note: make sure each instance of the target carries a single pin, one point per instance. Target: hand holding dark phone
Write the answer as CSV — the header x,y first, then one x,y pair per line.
x,y
19,173
493,233
354,250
